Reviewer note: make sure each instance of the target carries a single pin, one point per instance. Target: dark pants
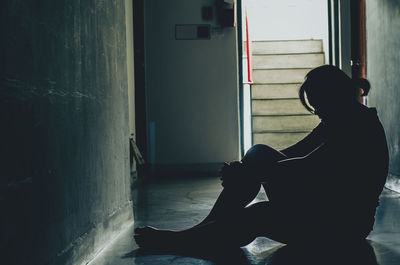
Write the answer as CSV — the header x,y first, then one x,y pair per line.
x,y
286,217
235,222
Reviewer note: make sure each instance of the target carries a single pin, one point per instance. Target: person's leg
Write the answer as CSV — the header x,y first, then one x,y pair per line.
x,y
260,157
258,219
229,205
233,198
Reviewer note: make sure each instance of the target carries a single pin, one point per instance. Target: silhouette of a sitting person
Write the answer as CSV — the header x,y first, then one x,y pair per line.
x,y
325,188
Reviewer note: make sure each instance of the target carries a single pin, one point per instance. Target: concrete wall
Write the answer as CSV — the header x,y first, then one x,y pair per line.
x,y
64,129
192,87
383,60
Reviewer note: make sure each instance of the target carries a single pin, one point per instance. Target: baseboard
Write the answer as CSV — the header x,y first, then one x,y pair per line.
x,y
393,183
86,247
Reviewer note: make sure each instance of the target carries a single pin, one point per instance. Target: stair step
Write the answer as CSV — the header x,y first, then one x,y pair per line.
x,y
295,75
273,91
285,47
306,60
284,123
278,107
279,68
278,140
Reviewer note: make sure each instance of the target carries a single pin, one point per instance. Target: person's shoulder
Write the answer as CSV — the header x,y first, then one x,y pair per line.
x,y
320,131
319,128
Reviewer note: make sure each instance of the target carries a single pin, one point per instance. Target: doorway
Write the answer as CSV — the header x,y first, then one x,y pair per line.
x,y
282,41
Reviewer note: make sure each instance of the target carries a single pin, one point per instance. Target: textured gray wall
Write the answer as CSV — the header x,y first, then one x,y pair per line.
x,y
64,127
383,62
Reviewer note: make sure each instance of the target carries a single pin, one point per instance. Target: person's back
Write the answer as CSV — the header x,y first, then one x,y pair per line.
x,y
364,169
350,169
352,176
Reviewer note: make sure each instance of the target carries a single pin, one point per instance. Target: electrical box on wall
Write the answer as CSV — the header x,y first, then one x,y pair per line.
x,y
226,11
192,32
224,14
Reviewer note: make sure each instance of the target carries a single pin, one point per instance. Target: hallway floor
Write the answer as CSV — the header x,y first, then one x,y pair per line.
x,y
182,203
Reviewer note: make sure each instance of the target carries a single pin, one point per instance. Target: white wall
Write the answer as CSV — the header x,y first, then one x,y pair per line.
x,y
192,87
288,19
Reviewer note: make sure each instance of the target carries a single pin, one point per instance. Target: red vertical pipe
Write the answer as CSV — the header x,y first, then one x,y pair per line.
x,y
249,66
363,40
363,44
359,53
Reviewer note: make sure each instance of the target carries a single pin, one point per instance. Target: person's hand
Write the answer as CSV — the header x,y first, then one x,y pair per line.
x,y
232,173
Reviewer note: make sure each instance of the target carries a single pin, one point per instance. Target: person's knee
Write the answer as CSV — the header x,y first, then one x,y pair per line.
x,y
259,148
262,154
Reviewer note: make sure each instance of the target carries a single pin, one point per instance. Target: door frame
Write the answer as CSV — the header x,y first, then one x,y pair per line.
x,y
359,38
140,77
347,36
239,32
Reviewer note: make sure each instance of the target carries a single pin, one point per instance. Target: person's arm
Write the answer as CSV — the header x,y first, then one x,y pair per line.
x,y
298,167
306,145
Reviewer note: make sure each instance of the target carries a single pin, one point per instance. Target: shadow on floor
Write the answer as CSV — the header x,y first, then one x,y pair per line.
x,y
355,254
282,255
237,256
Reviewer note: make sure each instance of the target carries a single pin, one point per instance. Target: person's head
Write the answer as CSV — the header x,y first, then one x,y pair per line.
x,y
327,91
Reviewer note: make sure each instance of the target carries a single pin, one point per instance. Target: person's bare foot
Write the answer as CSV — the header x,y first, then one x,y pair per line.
x,y
153,238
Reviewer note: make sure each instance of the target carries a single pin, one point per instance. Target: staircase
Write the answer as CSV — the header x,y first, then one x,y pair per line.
x,y
279,68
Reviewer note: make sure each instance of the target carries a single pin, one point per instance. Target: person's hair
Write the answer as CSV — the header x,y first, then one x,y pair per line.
x,y
327,80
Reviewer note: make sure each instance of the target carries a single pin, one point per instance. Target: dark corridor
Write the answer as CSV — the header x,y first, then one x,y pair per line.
x,y
67,112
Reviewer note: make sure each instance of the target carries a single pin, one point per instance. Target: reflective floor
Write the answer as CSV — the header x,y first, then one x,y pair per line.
x,y
182,203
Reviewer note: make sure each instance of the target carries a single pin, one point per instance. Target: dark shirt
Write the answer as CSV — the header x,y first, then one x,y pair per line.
x,y
339,170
